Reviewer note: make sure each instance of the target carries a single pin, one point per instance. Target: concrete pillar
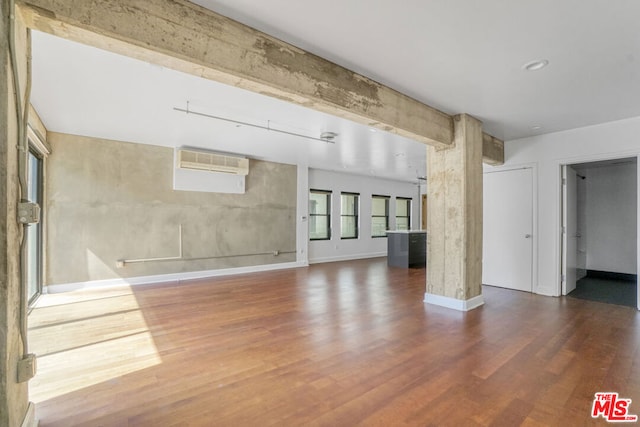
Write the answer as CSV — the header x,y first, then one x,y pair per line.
x,y
454,223
13,395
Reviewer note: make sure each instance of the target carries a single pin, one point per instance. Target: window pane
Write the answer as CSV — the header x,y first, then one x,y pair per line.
x,y
349,203
349,216
348,227
379,226
319,227
378,206
34,231
319,203
319,215
402,207
402,223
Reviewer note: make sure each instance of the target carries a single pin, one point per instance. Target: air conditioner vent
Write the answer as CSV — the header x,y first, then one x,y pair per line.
x,y
201,160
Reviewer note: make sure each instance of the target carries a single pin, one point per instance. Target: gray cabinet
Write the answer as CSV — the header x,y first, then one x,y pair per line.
x,y
407,248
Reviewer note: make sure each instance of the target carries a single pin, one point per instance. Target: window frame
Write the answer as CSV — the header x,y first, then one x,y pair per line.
x,y
328,194
386,215
355,215
408,201
35,259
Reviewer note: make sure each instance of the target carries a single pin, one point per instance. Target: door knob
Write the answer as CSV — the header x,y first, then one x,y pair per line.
x,y
527,236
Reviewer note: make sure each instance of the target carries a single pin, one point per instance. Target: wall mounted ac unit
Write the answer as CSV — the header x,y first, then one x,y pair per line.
x,y
201,160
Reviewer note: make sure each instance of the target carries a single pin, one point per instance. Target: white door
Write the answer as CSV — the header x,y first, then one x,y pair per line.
x,y
508,229
569,229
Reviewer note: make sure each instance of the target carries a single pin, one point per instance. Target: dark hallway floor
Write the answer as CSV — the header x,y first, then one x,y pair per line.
x,y
610,291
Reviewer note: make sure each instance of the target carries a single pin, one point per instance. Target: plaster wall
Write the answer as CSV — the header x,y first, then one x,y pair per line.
x,y
364,246
13,395
546,154
611,218
109,200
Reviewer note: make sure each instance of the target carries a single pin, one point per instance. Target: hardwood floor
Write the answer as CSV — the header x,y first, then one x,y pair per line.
x,y
338,344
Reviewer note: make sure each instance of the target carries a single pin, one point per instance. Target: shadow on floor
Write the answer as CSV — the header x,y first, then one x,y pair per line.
x,y
610,291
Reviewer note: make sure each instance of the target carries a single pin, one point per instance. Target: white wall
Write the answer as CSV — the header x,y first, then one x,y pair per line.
x,y
364,246
302,213
546,153
611,218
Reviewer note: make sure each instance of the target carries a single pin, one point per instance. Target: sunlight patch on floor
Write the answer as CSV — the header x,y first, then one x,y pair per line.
x,y
99,335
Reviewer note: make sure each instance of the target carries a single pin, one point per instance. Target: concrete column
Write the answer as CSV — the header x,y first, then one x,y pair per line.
x,y
13,395
454,223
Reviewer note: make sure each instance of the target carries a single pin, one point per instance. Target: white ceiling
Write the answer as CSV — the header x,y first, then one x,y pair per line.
x,y
461,56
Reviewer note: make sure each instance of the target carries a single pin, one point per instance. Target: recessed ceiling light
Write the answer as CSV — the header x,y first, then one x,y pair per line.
x,y
536,65
536,127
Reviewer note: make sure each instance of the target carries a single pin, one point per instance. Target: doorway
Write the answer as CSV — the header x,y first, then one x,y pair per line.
x,y
599,231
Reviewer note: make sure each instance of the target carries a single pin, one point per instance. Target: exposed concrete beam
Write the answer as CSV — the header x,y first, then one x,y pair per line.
x,y
492,150
180,35
184,36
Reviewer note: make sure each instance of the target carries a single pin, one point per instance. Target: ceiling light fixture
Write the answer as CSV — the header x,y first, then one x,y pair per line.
x,y
324,137
328,136
536,65
536,127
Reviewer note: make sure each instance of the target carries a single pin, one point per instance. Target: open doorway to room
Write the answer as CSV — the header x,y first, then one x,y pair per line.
x,y
599,231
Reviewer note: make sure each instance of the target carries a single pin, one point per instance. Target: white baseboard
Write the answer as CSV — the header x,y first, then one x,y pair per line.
x,y
346,257
548,292
170,278
456,304
30,416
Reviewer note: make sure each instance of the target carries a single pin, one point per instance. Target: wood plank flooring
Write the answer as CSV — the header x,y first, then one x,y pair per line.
x,y
338,344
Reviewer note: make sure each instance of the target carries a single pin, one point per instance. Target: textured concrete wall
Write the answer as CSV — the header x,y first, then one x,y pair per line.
x,y
110,200
13,395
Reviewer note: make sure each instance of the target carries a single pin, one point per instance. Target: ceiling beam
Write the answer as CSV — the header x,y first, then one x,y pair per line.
x,y
492,150
183,36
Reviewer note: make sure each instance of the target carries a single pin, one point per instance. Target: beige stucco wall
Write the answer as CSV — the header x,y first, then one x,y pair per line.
x,y
109,200
13,395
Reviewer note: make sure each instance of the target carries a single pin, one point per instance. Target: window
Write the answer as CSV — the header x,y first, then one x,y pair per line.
x,y
34,231
403,213
349,216
319,215
379,216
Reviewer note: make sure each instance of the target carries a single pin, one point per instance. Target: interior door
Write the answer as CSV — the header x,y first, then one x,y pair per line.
x,y
508,229
569,229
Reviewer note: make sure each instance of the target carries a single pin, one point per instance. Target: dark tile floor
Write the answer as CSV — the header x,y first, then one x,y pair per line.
x,y
610,291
